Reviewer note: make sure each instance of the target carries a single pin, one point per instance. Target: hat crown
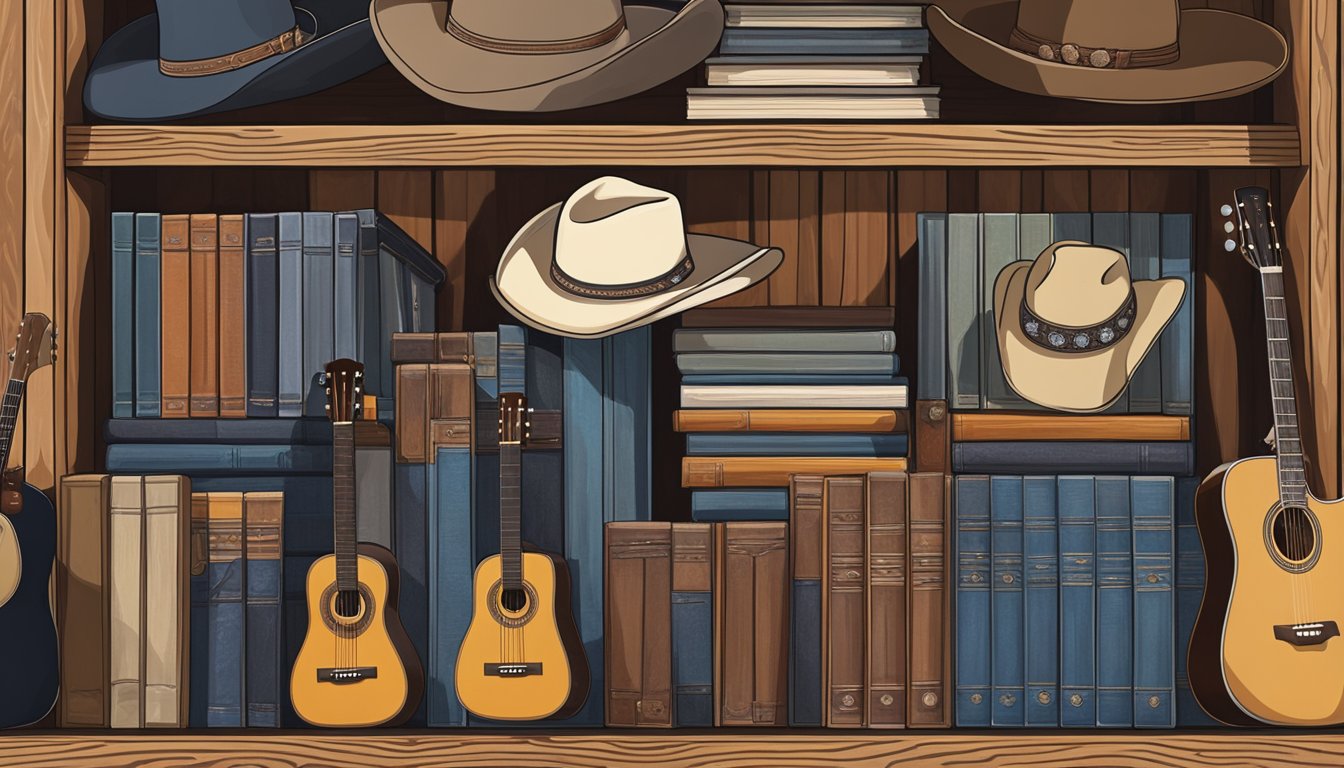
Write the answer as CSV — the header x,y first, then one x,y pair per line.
x,y
1115,24
615,232
537,21
1077,285
203,29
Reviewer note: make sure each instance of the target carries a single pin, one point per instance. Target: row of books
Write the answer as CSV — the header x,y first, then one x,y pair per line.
x,y
1076,597
233,316
818,61
835,618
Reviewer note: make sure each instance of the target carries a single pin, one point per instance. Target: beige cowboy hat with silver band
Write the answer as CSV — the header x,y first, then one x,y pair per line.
x,y
1130,51
616,255
1072,326
543,55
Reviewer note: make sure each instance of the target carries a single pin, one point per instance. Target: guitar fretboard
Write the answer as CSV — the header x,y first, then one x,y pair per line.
x,y
9,417
510,534
1288,438
343,504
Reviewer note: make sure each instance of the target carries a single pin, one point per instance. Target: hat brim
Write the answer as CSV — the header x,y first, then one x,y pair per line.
x,y
523,285
124,81
1080,382
660,44
1223,54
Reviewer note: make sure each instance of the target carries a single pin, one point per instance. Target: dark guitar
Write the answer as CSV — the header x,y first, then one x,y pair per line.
x,y
27,549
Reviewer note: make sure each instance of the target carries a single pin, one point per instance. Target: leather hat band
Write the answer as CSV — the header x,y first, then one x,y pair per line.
x,y
628,291
283,43
1096,58
498,45
1062,338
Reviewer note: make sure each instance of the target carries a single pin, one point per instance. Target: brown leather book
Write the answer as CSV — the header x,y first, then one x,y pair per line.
x,y
931,446
807,561
927,595
434,405
973,427
232,319
789,317
166,600
432,348
692,627
751,624
843,603
82,601
884,687
788,420
204,316
637,624
774,471
175,318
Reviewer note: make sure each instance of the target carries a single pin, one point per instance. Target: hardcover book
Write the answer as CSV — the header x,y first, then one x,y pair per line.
x,y
82,620
175,318
992,427
793,444
1040,548
166,628
126,518
262,316
226,619
807,563
263,526
789,420
1145,386
346,286
999,243
759,41
932,435
963,310
795,396
204,316
1077,601
1111,230
638,631
319,267
203,460
292,387
929,622
1154,604
872,71
146,321
751,624
844,602
199,588
932,341
1175,458
1115,605
748,363
755,342
885,683
974,647
692,625
124,308
233,316
740,504
773,472
1177,341
1006,618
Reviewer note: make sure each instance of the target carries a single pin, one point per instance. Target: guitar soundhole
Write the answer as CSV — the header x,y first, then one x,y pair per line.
x,y
1293,537
347,604
513,600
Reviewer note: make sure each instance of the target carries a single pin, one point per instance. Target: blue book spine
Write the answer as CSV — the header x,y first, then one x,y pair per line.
x,y
805,654
1176,458
378,369
1154,603
963,310
746,379
389,312
263,383
738,41
543,498
1145,386
582,416
263,626
801,444
450,568
224,708
932,349
737,504
346,310
1070,226
1189,593
1111,230
512,359
692,659
414,496
318,320
973,602
487,463
1177,341
204,460
291,385
199,618
147,292
232,431
1008,662
123,315
627,426
1040,546
1077,602
295,575
1115,604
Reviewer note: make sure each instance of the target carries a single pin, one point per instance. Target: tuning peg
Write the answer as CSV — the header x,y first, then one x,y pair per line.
x,y
55,332
1229,245
359,375
1226,210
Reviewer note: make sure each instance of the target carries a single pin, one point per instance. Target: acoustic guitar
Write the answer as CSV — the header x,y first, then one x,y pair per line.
x,y
521,658
357,666
1266,645
27,549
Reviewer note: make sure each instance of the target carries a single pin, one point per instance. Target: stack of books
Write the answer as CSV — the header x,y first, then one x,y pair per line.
x,y
817,61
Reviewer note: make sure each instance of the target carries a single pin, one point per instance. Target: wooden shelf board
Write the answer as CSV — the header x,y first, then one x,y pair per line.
x,y
668,749
791,145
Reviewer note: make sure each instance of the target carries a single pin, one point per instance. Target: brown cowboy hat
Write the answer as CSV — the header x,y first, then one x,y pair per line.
x,y
543,55
1128,51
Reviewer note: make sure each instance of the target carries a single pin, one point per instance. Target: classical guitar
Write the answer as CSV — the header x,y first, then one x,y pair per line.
x,y
521,658
27,548
1266,645
357,666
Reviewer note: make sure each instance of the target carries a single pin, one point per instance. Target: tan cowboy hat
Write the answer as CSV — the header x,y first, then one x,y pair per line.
x,y
1072,326
1132,51
615,256
543,55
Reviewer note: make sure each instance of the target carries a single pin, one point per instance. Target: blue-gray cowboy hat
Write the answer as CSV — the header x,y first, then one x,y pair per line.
x,y
199,56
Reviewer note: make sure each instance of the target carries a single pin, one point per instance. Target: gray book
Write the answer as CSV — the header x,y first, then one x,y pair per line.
x,y
1071,226
290,353
963,301
932,344
379,375
841,363
346,319
1177,340
1074,457
373,494
696,340
1145,386
998,249
318,290
1112,231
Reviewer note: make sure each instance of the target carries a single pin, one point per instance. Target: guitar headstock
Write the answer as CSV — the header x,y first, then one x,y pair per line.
x,y
344,383
34,347
1257,231
515,425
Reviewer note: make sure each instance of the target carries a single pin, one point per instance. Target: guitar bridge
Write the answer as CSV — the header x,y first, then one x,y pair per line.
x,y
345,675
513,670
1302,635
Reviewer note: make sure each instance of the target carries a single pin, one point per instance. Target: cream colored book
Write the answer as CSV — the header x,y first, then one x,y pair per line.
x,y
167,551
795,396
875,71
125,584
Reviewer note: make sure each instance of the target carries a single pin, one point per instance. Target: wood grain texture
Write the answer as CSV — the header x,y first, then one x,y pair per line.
x,y
450,245
1011,426
407,198
11,183
1323,154
88,307
791,145
342,190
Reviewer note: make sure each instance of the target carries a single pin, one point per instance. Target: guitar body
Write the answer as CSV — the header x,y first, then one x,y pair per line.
x,y
27,629
1240,671
372,639
541,635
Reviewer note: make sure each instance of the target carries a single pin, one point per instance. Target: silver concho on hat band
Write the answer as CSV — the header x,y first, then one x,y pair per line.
x,y
1063,338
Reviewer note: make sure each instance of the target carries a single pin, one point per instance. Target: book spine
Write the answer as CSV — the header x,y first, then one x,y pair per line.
x,y
749,363
415,498
773,472
199,587
123,315
932,349
844,602
204,316
319,267
797,396
627,425
1077,602
751,604
1154,604
884,687
740,504
1177,341
175,316
1111,230
82,595
146,323
746,41
932,435
206,460
451,565
166,600
637,624
292,387
262,316
126,588
233,318
226,652
370,346
991,427
1145,386
790,420
486,514
1006,607
390,289
1176,458
543,497
346,308
1040,547
813,379
998,249
1115,605
963,310
264,527
929,623
806,560
785,444
375,504
1189,593
692,625
774,341
1071,226
584,505
974,647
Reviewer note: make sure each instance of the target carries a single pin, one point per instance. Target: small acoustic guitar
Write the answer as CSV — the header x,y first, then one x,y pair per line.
x,y
1266,645
521,658
357,666
27,548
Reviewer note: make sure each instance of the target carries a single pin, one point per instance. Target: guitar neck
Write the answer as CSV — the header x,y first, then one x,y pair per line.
x,y
343,504
510,533
1288,437
9,418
